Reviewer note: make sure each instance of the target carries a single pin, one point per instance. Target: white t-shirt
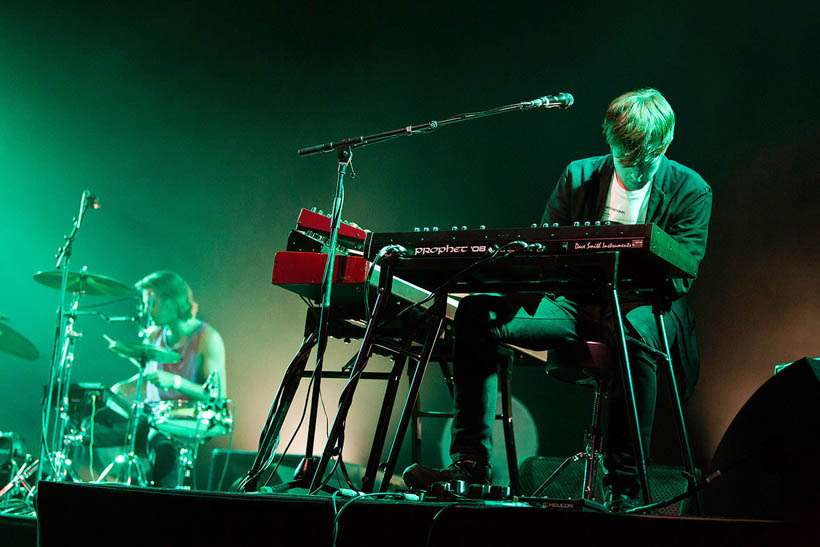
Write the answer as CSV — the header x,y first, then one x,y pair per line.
x,y
626,206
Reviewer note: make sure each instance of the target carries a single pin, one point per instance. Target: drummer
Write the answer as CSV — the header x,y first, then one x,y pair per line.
x,y
198,376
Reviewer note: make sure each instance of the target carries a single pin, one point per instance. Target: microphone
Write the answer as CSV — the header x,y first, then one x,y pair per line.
x,y
88,200
92,200
562,100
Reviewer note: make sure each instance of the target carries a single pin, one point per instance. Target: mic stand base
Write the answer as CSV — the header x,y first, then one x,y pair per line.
x,y
301,477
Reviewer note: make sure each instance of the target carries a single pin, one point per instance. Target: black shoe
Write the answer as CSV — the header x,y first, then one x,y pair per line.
x,y
621,503
419,477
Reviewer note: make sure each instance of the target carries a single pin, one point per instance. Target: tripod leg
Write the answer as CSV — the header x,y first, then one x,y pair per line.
x,y
369,478
346,400
437,318
278,412
505,377
555,473
629,393
686,447
593,444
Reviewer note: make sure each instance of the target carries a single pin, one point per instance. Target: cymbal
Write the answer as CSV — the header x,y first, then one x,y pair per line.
x,y
14,343
144,352
86,283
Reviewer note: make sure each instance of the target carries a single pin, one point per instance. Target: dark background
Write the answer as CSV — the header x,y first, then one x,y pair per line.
x,y
185,118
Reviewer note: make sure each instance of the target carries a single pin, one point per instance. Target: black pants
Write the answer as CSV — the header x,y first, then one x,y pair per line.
x,y
164,457
482,322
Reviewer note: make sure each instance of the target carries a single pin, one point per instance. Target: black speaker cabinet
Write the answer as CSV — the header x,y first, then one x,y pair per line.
x,y
227,468
767,457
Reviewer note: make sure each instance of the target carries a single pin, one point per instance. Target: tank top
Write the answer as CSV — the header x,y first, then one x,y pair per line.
x,y
185,367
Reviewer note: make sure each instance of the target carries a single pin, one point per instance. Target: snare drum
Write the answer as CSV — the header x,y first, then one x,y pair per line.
x,y
187,421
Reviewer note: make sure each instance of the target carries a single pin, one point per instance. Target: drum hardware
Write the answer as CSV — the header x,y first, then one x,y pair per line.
x,y
189,425
14,343
58,397
139,355
19,484
99,393
87,283
59,401
133,472
63,355
75,437
187,459
15,467
109,318
191,422
11,447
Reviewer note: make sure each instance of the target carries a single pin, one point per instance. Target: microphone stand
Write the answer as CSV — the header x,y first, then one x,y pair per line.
x,y
562,100
308,466
61,359
311,467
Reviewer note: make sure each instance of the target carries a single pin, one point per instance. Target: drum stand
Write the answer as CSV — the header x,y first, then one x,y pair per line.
x,y
185,465
129,461
187,446
57,398
19,484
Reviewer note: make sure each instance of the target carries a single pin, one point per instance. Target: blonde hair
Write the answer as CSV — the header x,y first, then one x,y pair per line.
x,y
171,288
641,123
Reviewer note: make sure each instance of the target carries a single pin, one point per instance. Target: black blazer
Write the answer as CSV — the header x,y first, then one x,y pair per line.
x,y
680,203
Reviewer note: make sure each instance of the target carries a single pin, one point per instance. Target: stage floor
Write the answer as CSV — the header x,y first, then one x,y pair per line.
x,y
121,515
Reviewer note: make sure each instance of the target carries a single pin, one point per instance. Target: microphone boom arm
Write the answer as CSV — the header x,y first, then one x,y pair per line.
x,y
562,100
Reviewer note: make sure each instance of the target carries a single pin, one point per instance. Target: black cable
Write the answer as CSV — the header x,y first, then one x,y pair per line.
x,y
347,504
354,375
293,437
491,258
384,251
340,444
324,411
311,307
267,426
345,474
435,518
680,497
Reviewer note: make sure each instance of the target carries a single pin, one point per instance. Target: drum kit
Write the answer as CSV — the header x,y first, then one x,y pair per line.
x,y
187,425
16,466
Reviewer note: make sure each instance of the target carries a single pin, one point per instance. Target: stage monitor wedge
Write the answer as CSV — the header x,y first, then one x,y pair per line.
x,y
767,457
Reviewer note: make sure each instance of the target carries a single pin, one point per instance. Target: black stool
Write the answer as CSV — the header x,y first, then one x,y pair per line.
x,y
585,363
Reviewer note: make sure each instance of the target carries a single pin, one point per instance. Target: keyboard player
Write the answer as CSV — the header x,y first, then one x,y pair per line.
x,y
634,184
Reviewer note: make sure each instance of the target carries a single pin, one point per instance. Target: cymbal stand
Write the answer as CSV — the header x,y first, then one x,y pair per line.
x,y
130,460
62,359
